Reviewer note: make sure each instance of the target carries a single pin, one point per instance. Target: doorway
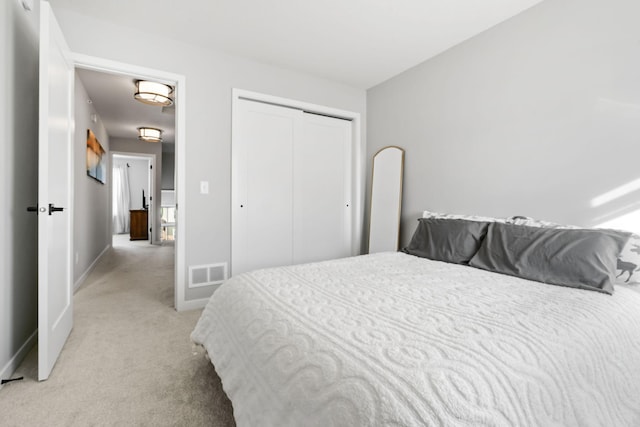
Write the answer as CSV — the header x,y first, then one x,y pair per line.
x,y
64,144
132,188
132,73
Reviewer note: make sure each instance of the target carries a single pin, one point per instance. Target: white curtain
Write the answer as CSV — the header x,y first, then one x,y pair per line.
x,y
121,199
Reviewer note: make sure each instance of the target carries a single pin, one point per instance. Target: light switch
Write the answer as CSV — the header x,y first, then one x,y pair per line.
x,y
204,187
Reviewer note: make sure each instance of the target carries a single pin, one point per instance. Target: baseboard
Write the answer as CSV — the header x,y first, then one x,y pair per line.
x,y
193,304
84,276
17,358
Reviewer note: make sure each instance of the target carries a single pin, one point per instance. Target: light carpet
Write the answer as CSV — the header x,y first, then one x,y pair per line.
x,y
128,361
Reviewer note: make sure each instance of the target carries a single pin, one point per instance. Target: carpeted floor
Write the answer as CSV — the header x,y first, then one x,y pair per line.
x,y
129,360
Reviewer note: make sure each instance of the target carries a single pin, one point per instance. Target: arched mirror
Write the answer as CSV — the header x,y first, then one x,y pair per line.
x,y
386,200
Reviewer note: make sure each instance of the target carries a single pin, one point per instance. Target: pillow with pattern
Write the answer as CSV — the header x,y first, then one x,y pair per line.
x,y
628,267
429,214
531,222
629,264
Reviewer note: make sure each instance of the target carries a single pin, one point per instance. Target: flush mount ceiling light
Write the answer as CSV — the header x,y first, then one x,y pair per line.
x,y
153,93
150,134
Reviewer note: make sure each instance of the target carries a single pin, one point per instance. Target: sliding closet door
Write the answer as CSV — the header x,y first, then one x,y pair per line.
x,y
322,189
262,185
291,187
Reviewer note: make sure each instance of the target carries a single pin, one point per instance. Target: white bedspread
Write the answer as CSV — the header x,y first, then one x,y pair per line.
x,y
391,339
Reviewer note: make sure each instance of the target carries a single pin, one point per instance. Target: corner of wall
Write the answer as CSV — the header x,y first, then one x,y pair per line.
x,y
19,52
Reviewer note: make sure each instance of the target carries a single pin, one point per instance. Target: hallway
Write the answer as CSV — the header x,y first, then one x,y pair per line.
x,y
128,360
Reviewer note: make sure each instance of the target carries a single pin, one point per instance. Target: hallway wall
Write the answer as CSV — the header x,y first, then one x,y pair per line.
x,y
92,215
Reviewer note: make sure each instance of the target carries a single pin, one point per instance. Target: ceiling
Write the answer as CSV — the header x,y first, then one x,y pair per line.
x,y
112,97
357,42
360,43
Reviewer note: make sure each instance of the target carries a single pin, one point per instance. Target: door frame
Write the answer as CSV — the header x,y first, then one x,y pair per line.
x,y
151,177
357,160
178,81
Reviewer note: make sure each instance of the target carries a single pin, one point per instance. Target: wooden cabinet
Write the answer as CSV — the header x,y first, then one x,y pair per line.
x,y
139,229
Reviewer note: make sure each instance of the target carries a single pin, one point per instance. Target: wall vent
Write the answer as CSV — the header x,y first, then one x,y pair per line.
x,y
207,275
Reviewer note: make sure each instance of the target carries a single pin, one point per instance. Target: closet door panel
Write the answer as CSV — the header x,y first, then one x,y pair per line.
x,y
322,189
262,205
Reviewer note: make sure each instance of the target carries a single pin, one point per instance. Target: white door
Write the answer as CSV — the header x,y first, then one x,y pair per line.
x,y
262,211
322,189
55,303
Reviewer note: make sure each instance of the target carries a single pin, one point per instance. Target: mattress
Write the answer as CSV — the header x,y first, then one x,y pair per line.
x,y
394,340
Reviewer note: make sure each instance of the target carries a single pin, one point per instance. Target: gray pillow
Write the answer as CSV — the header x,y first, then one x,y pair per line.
x,y
577,258
628,260
448,240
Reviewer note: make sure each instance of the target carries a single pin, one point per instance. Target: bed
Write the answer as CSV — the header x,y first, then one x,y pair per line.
x,y
395,339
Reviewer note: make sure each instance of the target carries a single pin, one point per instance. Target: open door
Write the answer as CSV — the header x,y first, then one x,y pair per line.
x,y
56,128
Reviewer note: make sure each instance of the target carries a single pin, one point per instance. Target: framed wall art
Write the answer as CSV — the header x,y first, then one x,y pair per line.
x,y
96,159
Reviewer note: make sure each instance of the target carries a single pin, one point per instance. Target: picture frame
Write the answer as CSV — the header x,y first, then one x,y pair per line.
x,y
96,159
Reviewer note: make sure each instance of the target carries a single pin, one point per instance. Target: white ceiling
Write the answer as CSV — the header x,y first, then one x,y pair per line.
x,y
121,114
360,43
357,42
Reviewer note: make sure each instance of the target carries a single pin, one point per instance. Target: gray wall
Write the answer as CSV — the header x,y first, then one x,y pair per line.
x,y
18,182
123,145
210,77
92,215
168,170
536,116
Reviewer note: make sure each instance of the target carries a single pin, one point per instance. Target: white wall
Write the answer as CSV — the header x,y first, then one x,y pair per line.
x,y
210,77
123,145
18,182
92,215
537,116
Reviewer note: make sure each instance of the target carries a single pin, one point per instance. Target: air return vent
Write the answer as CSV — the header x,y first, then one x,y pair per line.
x,y
207,275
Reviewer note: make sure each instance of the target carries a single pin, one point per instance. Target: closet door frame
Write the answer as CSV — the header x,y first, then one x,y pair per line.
x,y
357,160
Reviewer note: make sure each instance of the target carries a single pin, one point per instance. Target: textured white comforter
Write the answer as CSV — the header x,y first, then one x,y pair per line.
x,y
392,339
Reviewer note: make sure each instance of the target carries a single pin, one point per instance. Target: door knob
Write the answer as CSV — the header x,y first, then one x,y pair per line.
x,y
37,209
53,209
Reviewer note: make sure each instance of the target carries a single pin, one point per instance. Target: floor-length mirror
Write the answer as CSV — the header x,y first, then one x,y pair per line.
x,y
386,199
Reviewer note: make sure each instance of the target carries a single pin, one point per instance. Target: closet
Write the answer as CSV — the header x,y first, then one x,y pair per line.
x,y
291,187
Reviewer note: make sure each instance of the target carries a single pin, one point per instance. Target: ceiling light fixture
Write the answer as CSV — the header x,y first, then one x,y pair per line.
x,y
150,134
153,93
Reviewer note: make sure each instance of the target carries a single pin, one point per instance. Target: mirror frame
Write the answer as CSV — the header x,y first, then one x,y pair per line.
x,y
399,196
